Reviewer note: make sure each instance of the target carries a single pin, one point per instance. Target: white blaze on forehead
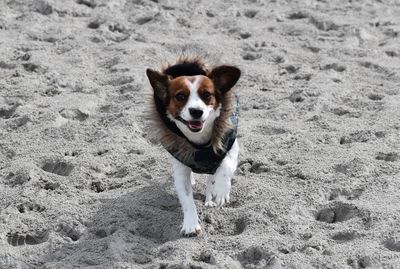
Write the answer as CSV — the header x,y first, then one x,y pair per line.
x,y
194,85
194,100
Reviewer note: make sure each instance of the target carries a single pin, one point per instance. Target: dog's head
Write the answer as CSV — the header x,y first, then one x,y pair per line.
x,y
193,101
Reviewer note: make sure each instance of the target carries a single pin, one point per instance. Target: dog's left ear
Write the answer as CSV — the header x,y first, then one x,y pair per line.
x,y
224,77
159,82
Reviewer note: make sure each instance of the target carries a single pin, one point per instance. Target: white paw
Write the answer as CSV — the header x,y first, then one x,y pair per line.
x,y
190,228
217,194
210,204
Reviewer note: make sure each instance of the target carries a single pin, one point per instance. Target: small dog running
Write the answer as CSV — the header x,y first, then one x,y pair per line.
x,y
195,117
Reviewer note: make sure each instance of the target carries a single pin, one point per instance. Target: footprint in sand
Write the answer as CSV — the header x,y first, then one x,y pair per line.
x,y
353,168
231,228
392,245
51,186
362,262
251,13
7,113
393,53
88,3
68,231
58,167
323,24
43,7
259,167
375,97
94,24
291,68
28,207
19,239
73,114
72,153
337,212
251,56
345,194
377,68
297,96
258,257
344,236
252,167
31,67
340,111
97,186
388,157
208,257
5,65
298,15
356,137
17,178
101,233
334,66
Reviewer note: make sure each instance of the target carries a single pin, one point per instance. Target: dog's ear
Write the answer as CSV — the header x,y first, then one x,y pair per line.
x,y
224,77
159,82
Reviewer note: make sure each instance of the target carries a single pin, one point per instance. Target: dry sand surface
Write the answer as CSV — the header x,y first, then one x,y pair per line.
x,y
82,185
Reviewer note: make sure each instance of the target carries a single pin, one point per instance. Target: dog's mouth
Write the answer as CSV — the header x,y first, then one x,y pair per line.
x,y
193,125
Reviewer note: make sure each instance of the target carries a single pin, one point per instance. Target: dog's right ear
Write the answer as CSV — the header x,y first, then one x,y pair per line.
x,y
225,77
159,82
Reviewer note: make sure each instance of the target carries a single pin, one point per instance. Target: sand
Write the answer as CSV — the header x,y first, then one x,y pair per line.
x,y
82,185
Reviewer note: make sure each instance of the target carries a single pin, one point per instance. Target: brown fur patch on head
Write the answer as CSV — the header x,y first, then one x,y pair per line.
x,y
207,93
178,92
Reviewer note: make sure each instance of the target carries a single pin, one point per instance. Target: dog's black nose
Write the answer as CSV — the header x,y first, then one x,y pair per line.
x,y
195,113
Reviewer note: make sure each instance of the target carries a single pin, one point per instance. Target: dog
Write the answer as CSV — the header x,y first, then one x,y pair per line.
x,y
194,114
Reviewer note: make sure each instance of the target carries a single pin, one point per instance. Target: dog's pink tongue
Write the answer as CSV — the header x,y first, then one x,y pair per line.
x,y
195,124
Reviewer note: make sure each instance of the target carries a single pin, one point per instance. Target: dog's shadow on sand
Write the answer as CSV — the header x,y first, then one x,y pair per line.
x,y
151,212
129,227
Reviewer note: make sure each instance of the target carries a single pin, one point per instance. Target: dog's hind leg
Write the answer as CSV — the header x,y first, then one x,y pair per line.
x,y
183,185
219,185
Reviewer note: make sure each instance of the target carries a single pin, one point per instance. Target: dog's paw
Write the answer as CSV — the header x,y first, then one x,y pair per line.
x,y
218,194
210,204
190,228
222,199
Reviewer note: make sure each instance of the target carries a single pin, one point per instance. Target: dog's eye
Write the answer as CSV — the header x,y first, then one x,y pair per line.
x,y
206,96
180,97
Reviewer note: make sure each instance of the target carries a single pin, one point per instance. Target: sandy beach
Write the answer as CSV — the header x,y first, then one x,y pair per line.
x,y
82,185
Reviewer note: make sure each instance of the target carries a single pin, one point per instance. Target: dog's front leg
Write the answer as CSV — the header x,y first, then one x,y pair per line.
x,y
219,185
182,177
